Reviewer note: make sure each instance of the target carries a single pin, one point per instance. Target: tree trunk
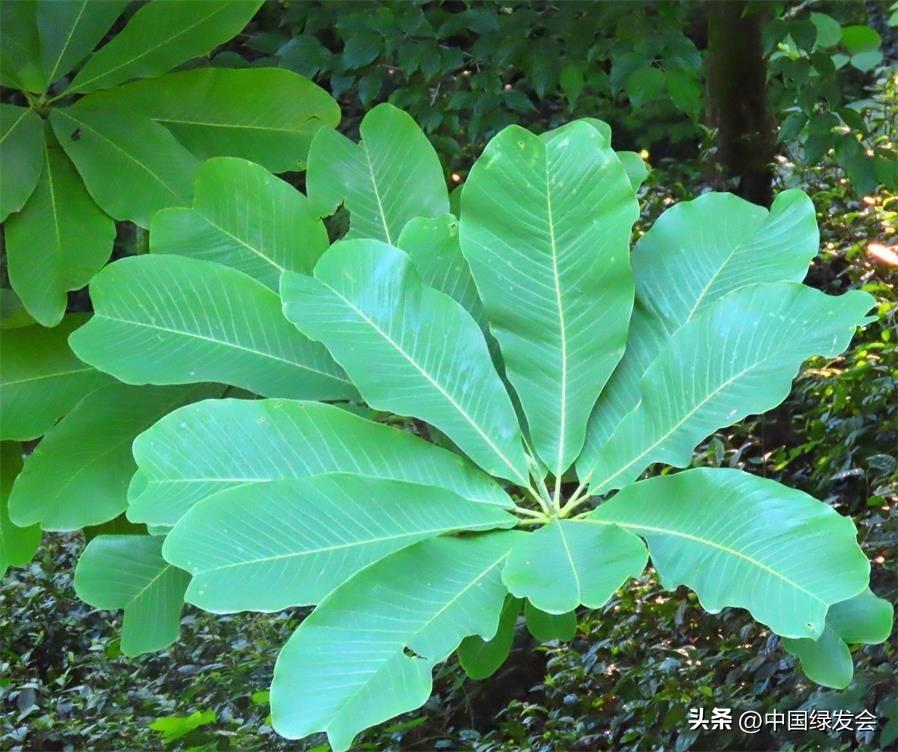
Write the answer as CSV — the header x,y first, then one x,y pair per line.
x,y
737,99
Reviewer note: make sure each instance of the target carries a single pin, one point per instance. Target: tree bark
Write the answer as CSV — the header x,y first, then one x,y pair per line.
x,y
737,99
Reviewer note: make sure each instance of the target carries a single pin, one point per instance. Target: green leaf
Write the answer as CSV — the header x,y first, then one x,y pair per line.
x,y
545,227
20,61
58,241
246,218
570,563
128,572
743,541
12,313
829,31
361,48
266,547
266,115
825,661
635,166
734,358
685,91
571,82
203,449
433,245
860,38
160,36
368,305
346,667
17,544
547,627
645,84
21,158
864,619
679,272
132,167
162,319
175,727
867,60
41,379
70,29
392,176
481,658
78,475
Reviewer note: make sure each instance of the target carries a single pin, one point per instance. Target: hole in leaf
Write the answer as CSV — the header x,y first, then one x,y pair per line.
x,y
409,653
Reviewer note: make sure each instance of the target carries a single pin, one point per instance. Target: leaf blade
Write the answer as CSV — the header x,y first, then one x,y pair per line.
x,y
308,536
245,218
374,177
200,450
265,115
128,572
166,319
367,303
58,241
732,538
736,358
161,35
549,219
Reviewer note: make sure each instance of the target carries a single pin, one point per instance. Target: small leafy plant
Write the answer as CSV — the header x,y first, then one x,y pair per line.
x,y
111,134
457,413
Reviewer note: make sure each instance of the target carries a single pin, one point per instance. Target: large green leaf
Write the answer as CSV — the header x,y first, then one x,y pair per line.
x,y
545,226
735,358
346,667
20,61
571,563
128,572
163,319
740,540
161,35
368,305
482,658
433,244
269,546
244,217
17,544
864,619
70,29
391,177
695,253
41,379
219,444
267,115
21,156
58,241
132,167
546,627
79,473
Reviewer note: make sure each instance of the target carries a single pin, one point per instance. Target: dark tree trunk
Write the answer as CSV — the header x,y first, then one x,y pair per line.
x,y
737,99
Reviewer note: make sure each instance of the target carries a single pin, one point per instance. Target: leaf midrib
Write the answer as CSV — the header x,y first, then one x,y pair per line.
x,y
167,40
352,544
461,411
223,343
710,544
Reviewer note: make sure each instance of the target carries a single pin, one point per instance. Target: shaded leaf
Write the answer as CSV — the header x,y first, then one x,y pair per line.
x,y
128,572
243,217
